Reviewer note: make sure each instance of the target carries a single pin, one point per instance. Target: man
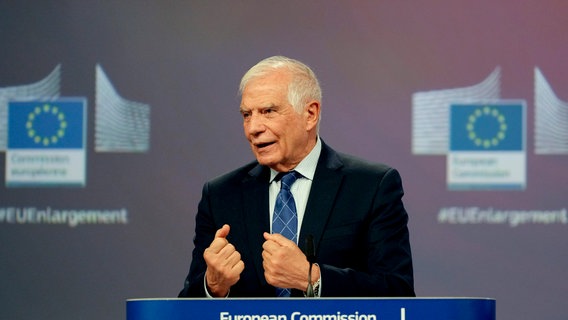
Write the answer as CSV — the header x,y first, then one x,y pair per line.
x,y
351,209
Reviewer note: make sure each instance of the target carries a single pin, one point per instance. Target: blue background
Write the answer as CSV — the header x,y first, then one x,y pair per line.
x,y
487,127
45,125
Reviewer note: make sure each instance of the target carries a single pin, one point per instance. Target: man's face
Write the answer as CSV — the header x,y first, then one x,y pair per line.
x,y
279,136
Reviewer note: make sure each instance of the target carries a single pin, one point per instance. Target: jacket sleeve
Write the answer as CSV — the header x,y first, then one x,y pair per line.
x,y
384,250
205,232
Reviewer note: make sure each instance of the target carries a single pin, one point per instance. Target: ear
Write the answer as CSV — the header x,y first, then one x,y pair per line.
x,y
312,114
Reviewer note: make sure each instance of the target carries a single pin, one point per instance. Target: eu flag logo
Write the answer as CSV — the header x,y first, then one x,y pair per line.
x,y
487,127
58,124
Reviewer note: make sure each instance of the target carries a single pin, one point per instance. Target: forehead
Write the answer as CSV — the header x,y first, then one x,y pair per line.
x,y
267,89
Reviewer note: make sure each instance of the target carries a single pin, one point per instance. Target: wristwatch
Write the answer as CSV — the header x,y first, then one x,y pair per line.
x,y
316,287
312,291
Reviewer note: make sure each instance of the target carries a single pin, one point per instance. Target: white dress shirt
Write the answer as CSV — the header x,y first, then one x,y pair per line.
x,y
301,188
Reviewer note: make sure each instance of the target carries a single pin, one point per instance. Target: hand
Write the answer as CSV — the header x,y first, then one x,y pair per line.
x,y
285,265
224,264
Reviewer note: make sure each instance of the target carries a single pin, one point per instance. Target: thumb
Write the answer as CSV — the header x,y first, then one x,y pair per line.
x,y
223,232
278,238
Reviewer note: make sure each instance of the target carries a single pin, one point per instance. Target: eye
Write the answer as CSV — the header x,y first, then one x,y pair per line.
x,y
268,111
245,114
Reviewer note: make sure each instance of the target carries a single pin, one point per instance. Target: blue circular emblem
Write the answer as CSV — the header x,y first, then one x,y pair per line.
x,y
486,127
46,125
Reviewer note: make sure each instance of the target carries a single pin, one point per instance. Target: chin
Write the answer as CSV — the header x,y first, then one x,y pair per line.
x,y
266,161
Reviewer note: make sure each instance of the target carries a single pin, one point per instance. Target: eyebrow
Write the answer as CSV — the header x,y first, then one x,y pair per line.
x,y
246,109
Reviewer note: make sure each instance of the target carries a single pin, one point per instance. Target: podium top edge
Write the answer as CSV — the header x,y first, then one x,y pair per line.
x,y
336,298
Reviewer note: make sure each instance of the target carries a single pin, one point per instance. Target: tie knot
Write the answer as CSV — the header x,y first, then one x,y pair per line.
x,y
288,179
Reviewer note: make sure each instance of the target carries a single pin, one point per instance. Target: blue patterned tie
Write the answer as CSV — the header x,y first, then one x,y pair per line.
x,y
285,219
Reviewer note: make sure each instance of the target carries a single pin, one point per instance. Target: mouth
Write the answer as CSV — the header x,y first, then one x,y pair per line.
x,y
263,145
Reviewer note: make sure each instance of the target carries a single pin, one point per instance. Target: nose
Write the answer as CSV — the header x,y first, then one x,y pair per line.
x,y
254,125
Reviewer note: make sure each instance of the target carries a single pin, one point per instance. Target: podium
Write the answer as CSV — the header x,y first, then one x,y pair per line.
x,y
312,309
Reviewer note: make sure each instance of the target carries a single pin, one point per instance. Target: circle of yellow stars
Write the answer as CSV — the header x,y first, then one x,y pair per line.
x,y
46,110
499,135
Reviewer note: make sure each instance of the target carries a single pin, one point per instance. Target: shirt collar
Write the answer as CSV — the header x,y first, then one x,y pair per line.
x,y
306,167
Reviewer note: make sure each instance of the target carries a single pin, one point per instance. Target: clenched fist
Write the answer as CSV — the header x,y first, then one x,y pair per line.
x,y
224,264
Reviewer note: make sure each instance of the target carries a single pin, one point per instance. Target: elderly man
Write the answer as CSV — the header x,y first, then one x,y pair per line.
x,y
252,223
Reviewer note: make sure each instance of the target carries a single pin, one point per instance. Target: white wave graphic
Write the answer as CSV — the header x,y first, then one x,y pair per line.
x,y
551,118
120,125
46,89
431,112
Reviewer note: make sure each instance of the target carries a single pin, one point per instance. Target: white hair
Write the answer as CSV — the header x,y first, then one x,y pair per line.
x,y
303,87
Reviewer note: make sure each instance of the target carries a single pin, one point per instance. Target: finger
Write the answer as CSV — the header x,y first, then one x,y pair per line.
x,y
279,239
270,245
217,245
219,242
227,251
239,267
223,260
223,232
234,259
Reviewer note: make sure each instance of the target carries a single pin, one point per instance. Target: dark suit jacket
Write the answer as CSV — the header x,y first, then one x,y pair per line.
x,y
354,212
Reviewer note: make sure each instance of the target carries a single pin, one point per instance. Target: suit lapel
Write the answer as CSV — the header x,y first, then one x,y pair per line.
x,y
326,183
325,186
255,204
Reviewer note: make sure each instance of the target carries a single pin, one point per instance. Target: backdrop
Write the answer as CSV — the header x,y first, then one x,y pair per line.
x,y
148,90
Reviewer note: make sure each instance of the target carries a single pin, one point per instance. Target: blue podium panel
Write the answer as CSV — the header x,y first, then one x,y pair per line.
x,y
312,309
